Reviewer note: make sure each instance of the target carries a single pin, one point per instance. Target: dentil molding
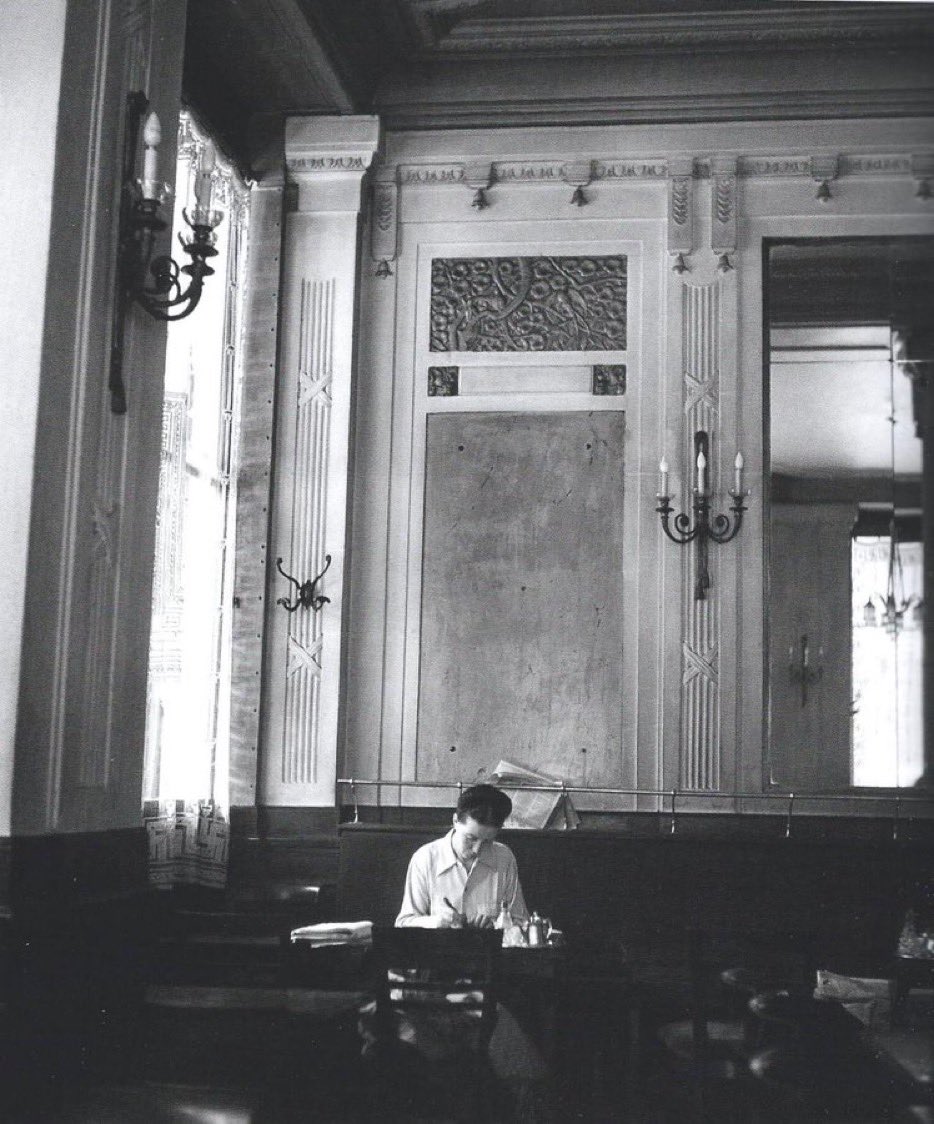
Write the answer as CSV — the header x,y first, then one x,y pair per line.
x,y
570,171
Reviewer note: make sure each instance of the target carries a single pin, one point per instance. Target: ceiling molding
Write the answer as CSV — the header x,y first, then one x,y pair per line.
x,y
862,24
640,110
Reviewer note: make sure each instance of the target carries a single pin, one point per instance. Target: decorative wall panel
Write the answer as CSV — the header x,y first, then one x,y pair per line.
x,y
528,304
522,595
700,686
305,655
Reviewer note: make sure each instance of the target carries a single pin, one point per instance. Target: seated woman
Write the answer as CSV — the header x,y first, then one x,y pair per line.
x,y
465,878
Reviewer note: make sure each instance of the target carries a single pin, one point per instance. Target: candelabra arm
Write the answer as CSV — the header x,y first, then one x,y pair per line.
x,y
723,529
683,531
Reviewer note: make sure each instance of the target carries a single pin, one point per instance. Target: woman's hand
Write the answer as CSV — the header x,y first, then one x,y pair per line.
x,y
482,921
448,918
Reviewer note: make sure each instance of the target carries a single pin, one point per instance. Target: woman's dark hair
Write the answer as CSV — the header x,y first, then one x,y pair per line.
x,y
484,803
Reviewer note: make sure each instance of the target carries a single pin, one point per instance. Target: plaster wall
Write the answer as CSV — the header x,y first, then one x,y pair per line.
x,y
77,763
31,43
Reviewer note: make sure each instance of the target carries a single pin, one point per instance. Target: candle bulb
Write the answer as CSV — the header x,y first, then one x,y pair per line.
x,y
203,181
701,473
663,477
738,474
152,136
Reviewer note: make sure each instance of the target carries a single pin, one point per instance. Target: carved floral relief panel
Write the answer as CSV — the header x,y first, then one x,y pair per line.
x,y
528,304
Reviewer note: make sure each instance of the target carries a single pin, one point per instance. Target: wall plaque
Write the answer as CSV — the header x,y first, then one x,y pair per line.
x,y
443,382
528,304
609,380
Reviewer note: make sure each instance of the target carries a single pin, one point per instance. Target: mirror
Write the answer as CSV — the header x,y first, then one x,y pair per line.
x,y
848,346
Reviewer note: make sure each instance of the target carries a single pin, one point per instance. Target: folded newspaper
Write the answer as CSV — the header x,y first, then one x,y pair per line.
x,y
335,932
534,809
870,1000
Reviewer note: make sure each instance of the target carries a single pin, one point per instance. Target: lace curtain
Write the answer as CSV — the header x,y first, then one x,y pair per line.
x,y
187,730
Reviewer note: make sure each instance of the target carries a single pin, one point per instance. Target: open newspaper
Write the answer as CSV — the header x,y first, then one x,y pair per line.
x,y
533,809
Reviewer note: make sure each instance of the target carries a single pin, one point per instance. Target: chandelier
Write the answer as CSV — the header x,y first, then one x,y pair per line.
x,y
893,605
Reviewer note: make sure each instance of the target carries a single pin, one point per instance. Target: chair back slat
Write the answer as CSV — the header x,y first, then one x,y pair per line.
x,y
453,968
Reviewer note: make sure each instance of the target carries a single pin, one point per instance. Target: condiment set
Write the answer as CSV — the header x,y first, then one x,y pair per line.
x,y
536,933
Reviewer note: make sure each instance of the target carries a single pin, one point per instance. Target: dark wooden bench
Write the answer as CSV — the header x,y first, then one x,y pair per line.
x,y
600,885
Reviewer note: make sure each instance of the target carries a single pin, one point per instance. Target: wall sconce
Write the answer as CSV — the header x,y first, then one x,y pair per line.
x,y
154,283
800,670
719,529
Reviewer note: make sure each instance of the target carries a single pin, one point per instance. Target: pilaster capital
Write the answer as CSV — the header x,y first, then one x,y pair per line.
x,y
328,157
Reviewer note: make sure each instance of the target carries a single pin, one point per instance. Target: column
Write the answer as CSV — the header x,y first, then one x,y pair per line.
x,y
327,158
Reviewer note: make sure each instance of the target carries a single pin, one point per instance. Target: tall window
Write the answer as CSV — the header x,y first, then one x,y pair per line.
x,y
187,731
888,738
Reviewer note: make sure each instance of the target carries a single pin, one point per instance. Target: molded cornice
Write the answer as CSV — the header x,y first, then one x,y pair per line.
x,y
627,109
817,25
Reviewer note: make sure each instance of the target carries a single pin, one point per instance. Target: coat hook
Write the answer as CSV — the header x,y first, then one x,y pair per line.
x,y
578,199
307,596
724,265
479,199
823,191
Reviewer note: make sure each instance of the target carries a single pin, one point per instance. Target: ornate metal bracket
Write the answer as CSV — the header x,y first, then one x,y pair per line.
x,y
719,528
306,595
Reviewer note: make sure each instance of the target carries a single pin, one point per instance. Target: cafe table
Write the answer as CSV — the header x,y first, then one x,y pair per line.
x,y
531,981
578,1005
906,1047
825,1055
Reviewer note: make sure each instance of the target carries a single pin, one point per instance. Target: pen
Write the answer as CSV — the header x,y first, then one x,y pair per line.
x,y
463,916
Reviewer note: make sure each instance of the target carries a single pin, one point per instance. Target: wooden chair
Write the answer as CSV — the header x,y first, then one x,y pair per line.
x,y
711,1049
435,1010
823,1066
